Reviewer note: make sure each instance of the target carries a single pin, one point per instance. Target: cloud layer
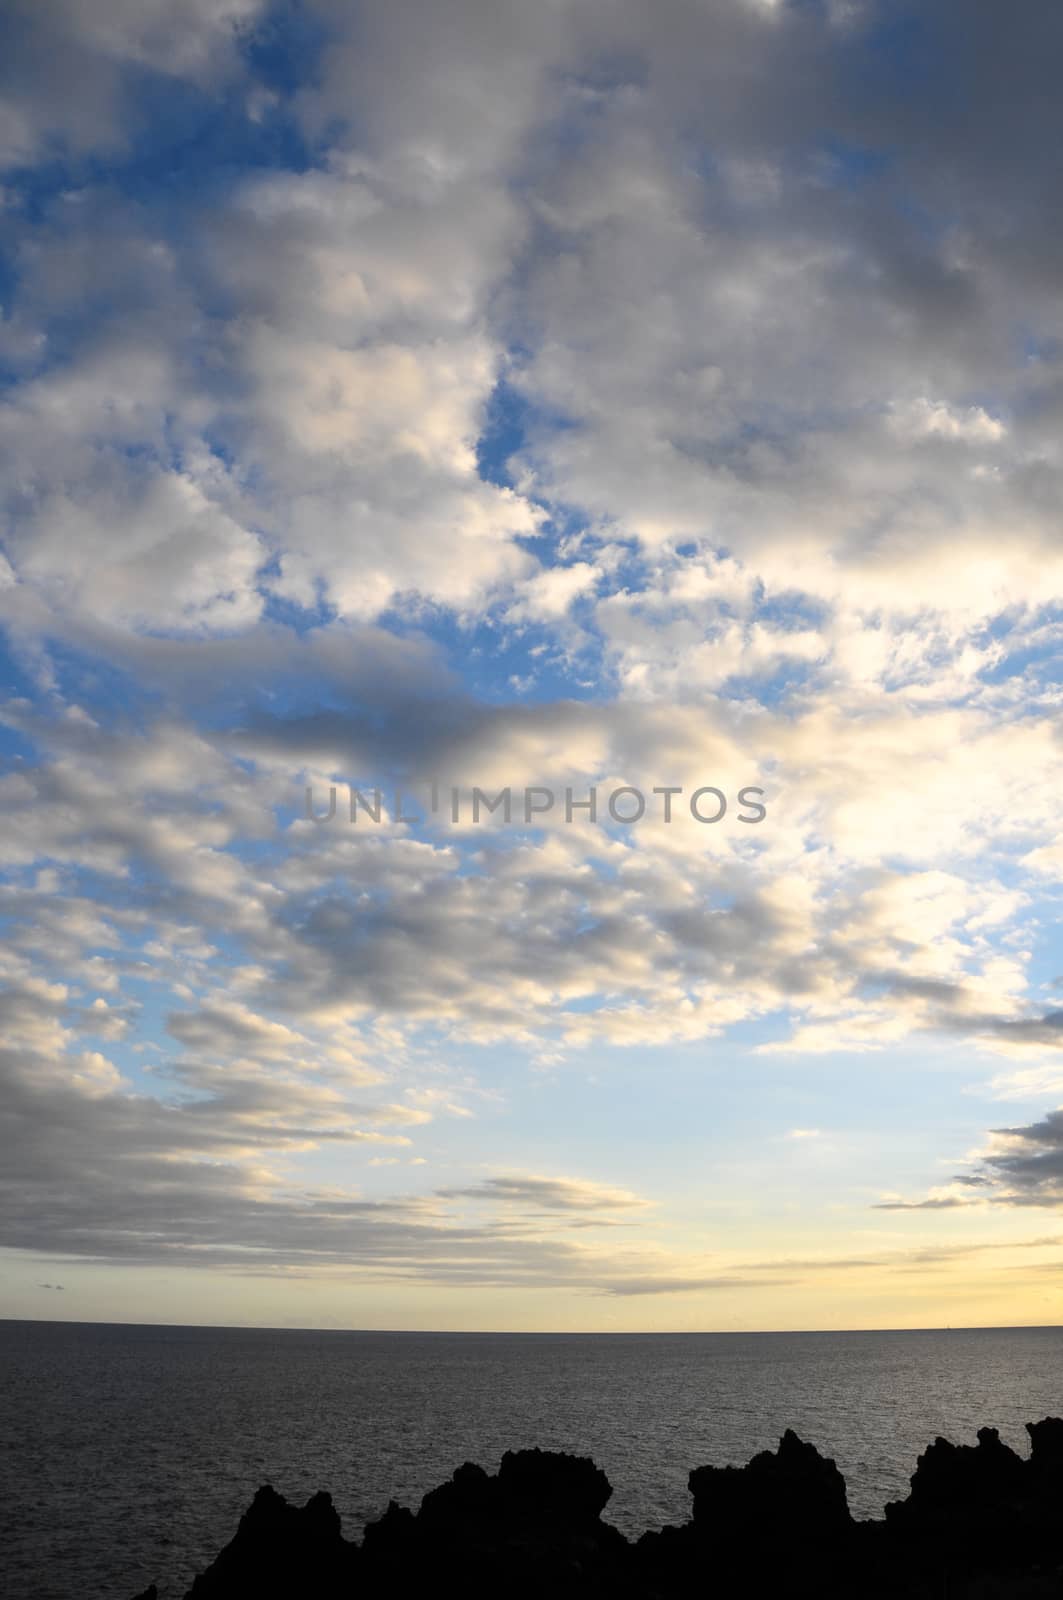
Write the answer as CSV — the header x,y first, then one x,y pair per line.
x,y
509,396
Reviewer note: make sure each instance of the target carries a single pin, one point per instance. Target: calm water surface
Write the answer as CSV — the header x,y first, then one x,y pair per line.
x,y
127,1454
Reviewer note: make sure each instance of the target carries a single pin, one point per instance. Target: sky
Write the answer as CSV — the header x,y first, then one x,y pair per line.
x,y
586,396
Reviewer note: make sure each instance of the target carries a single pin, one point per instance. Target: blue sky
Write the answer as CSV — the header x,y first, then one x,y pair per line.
x,y
543,399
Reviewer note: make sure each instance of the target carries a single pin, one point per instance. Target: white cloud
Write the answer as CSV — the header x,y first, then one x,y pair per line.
x,y
923,418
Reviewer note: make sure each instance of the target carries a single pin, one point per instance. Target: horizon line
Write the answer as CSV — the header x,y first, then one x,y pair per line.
x,y
552,1333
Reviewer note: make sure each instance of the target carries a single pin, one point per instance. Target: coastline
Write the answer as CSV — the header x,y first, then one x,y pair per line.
x,y
980,1522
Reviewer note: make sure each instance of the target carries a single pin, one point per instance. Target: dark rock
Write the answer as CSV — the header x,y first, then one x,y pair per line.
x,y
980,1523
532,1529
1046,1448
792,1492
982,1511
784,1517
570,1489
960,1480
281,1551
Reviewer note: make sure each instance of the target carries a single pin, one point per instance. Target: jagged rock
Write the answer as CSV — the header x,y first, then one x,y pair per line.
x,y
964,1480
1046,1447
982,1510
394,1530
980,1523
785,1512
282,1551
793,1492
532,1529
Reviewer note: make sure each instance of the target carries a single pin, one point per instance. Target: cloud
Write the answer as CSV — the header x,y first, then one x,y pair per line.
x,y
1026,1163
291,403
550,594
1017,1167
641,1286
115,1174
65,84
548,1194
479,927
223,1028
924,418
678,372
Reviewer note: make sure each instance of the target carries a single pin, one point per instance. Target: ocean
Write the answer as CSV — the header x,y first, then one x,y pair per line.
x,y
127,1454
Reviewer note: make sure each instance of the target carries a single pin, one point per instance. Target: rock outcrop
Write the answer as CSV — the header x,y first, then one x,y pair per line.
x,y
280,1549
980,1523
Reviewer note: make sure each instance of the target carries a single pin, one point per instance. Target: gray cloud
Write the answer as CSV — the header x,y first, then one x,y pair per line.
x,y
647,1286
1026,1163
1022,1166
66,73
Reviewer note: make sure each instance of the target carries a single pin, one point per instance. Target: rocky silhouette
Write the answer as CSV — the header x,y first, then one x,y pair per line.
x,y
980,1523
